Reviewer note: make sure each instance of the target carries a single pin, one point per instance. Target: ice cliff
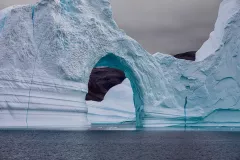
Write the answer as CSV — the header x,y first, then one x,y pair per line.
x,y
48,50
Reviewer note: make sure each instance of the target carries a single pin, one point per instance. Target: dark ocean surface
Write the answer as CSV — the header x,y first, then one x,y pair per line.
x,y
119,145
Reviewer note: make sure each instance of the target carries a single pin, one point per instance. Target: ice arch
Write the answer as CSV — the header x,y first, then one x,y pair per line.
x,y
113,61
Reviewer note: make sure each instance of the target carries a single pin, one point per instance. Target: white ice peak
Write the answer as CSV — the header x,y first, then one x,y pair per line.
x,y
228,9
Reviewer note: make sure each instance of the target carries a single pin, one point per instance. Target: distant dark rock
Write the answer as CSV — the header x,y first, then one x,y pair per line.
x,y
103,79
187,56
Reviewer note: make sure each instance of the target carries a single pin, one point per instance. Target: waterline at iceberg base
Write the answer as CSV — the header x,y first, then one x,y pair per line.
x,y
48,50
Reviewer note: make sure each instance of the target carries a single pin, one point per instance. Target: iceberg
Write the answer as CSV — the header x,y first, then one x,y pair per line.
x,y
48,50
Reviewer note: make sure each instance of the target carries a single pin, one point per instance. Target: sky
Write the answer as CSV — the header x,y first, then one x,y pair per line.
x,y
166,26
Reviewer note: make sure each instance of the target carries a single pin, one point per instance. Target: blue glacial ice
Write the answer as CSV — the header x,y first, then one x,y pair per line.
x,y
48,50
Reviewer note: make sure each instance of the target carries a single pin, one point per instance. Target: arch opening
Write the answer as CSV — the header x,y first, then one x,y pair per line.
x,y
112,61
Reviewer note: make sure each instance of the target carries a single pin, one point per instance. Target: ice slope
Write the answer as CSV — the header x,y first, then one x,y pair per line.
x,y
117,106
228,9
3,15
47,52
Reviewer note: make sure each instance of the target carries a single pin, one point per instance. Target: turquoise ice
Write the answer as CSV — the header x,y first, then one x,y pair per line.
x,y
47,52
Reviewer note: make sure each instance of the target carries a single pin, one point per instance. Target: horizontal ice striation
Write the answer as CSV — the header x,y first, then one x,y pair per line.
x,y
51,104
47,53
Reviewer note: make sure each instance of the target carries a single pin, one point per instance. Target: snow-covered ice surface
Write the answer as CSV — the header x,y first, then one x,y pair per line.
x,y
47,52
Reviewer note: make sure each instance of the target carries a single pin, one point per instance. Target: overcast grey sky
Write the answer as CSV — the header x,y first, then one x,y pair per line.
x,y
168,26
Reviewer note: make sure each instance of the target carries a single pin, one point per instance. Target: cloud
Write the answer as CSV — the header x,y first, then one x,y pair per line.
x,y
169,26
